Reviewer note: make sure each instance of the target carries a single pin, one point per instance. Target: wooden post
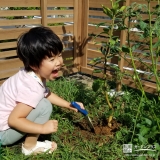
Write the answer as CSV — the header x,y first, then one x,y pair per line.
x,y
84,35
77,32
44,12
123,37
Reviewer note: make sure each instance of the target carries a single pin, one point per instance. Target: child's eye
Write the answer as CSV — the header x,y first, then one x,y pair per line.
x,y
52,59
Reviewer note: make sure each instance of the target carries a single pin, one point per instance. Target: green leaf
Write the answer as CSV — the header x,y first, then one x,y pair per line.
x,y
104,44
91,62
112,42
116,38
110,56
152,134
97,85
136,46
106,30
154,128
99,34
104,51
157,44
115,8
107,11
146,54
157,146
141,158
143,25
142,139
101,24
125,49
157,6
148,121
97,43
150,76
122,8
95,60
144,130
98,62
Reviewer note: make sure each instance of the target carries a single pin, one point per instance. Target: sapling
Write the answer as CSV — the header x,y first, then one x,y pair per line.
x,y
110,48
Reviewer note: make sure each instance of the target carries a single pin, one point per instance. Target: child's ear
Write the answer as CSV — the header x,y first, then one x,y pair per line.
x,y
34,68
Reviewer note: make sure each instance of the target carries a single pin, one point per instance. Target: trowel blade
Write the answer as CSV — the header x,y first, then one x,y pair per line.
x,y
90,123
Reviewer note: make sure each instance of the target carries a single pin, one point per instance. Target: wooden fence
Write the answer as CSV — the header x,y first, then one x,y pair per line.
x,y
91,50
77,18
48,13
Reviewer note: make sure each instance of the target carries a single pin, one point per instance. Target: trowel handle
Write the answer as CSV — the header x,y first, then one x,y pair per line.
x,y
77,106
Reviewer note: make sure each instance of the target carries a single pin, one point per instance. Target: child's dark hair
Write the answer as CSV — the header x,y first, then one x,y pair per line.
x,y
37,44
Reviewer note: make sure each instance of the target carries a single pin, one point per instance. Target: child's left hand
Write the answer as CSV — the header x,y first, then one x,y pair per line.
x,y
80,104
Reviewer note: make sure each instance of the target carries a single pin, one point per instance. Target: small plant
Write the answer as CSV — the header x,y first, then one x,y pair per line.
x,y
110,48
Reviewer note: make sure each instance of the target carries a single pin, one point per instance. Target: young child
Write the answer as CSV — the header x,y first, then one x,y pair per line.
x,y
25,101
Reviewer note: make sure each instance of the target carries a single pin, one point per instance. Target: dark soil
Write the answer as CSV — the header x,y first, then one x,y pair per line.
x,y
102,133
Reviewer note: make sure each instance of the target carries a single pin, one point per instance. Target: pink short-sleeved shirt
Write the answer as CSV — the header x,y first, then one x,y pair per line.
x,y
24,87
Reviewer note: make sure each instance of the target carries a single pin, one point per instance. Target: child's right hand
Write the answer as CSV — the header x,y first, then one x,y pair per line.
x,y
50,127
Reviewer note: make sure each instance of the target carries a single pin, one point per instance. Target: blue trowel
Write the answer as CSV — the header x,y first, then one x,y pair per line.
x,y
85,113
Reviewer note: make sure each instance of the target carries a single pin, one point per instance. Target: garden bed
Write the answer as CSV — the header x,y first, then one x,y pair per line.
x,y
101,127
74,137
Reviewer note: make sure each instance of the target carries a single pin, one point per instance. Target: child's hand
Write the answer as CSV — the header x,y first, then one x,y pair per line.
x,y
50,127
80,104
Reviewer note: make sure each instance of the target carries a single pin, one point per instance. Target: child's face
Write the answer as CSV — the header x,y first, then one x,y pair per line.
x,y
49,67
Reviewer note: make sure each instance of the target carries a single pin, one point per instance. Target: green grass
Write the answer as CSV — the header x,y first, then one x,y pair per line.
x,y
75,143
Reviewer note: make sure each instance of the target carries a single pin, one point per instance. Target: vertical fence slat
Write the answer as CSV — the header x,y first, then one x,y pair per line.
x,y
44,12
123,36
77,31
84,26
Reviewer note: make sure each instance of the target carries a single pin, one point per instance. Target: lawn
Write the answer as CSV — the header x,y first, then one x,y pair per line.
x,y
135,123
